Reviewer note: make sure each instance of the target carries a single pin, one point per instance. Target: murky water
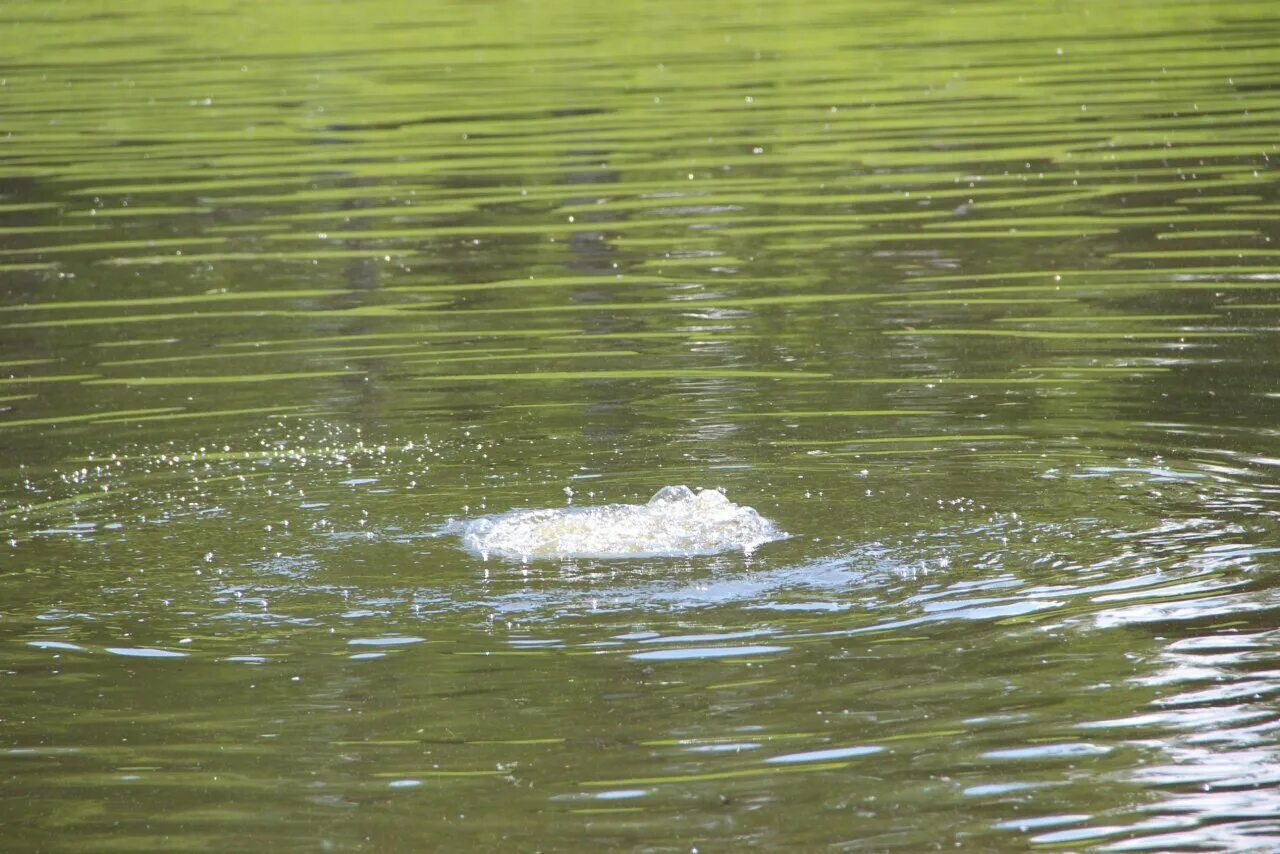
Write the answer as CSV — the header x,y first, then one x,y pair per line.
x,y
975,303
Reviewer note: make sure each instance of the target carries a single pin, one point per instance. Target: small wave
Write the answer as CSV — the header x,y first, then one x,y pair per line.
x,y
676,522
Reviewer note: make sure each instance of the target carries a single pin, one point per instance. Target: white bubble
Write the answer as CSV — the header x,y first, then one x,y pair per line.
x,y
677,521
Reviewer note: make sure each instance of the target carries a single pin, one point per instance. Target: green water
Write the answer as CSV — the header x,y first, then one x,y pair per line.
x,y
976,301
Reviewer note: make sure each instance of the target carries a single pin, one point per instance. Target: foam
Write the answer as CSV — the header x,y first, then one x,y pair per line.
x,y
676,522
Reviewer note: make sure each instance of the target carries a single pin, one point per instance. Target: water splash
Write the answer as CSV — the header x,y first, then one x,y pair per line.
x,y
676,522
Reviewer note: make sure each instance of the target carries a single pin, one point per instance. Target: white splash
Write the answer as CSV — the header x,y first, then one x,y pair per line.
x,y
676,522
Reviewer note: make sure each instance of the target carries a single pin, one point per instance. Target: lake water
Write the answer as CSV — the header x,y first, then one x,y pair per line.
x,y
977,303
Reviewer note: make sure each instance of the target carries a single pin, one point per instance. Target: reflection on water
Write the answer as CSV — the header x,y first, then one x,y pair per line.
x,y
976,304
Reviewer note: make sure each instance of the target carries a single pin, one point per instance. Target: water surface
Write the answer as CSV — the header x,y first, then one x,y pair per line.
x,y
975,303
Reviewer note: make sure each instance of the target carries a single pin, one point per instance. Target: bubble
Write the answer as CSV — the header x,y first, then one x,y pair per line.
x,y
676,522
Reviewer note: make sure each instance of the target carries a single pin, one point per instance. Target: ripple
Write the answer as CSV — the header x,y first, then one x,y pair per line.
x,y
695,653
144,652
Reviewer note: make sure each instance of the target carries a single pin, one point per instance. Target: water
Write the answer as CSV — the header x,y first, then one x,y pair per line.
x,y
976,304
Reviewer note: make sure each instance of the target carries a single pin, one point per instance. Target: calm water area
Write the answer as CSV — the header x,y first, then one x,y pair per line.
x,y
975,301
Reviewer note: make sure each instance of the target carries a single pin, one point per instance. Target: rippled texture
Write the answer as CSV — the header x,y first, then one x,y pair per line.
x,y
976,303
675,522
